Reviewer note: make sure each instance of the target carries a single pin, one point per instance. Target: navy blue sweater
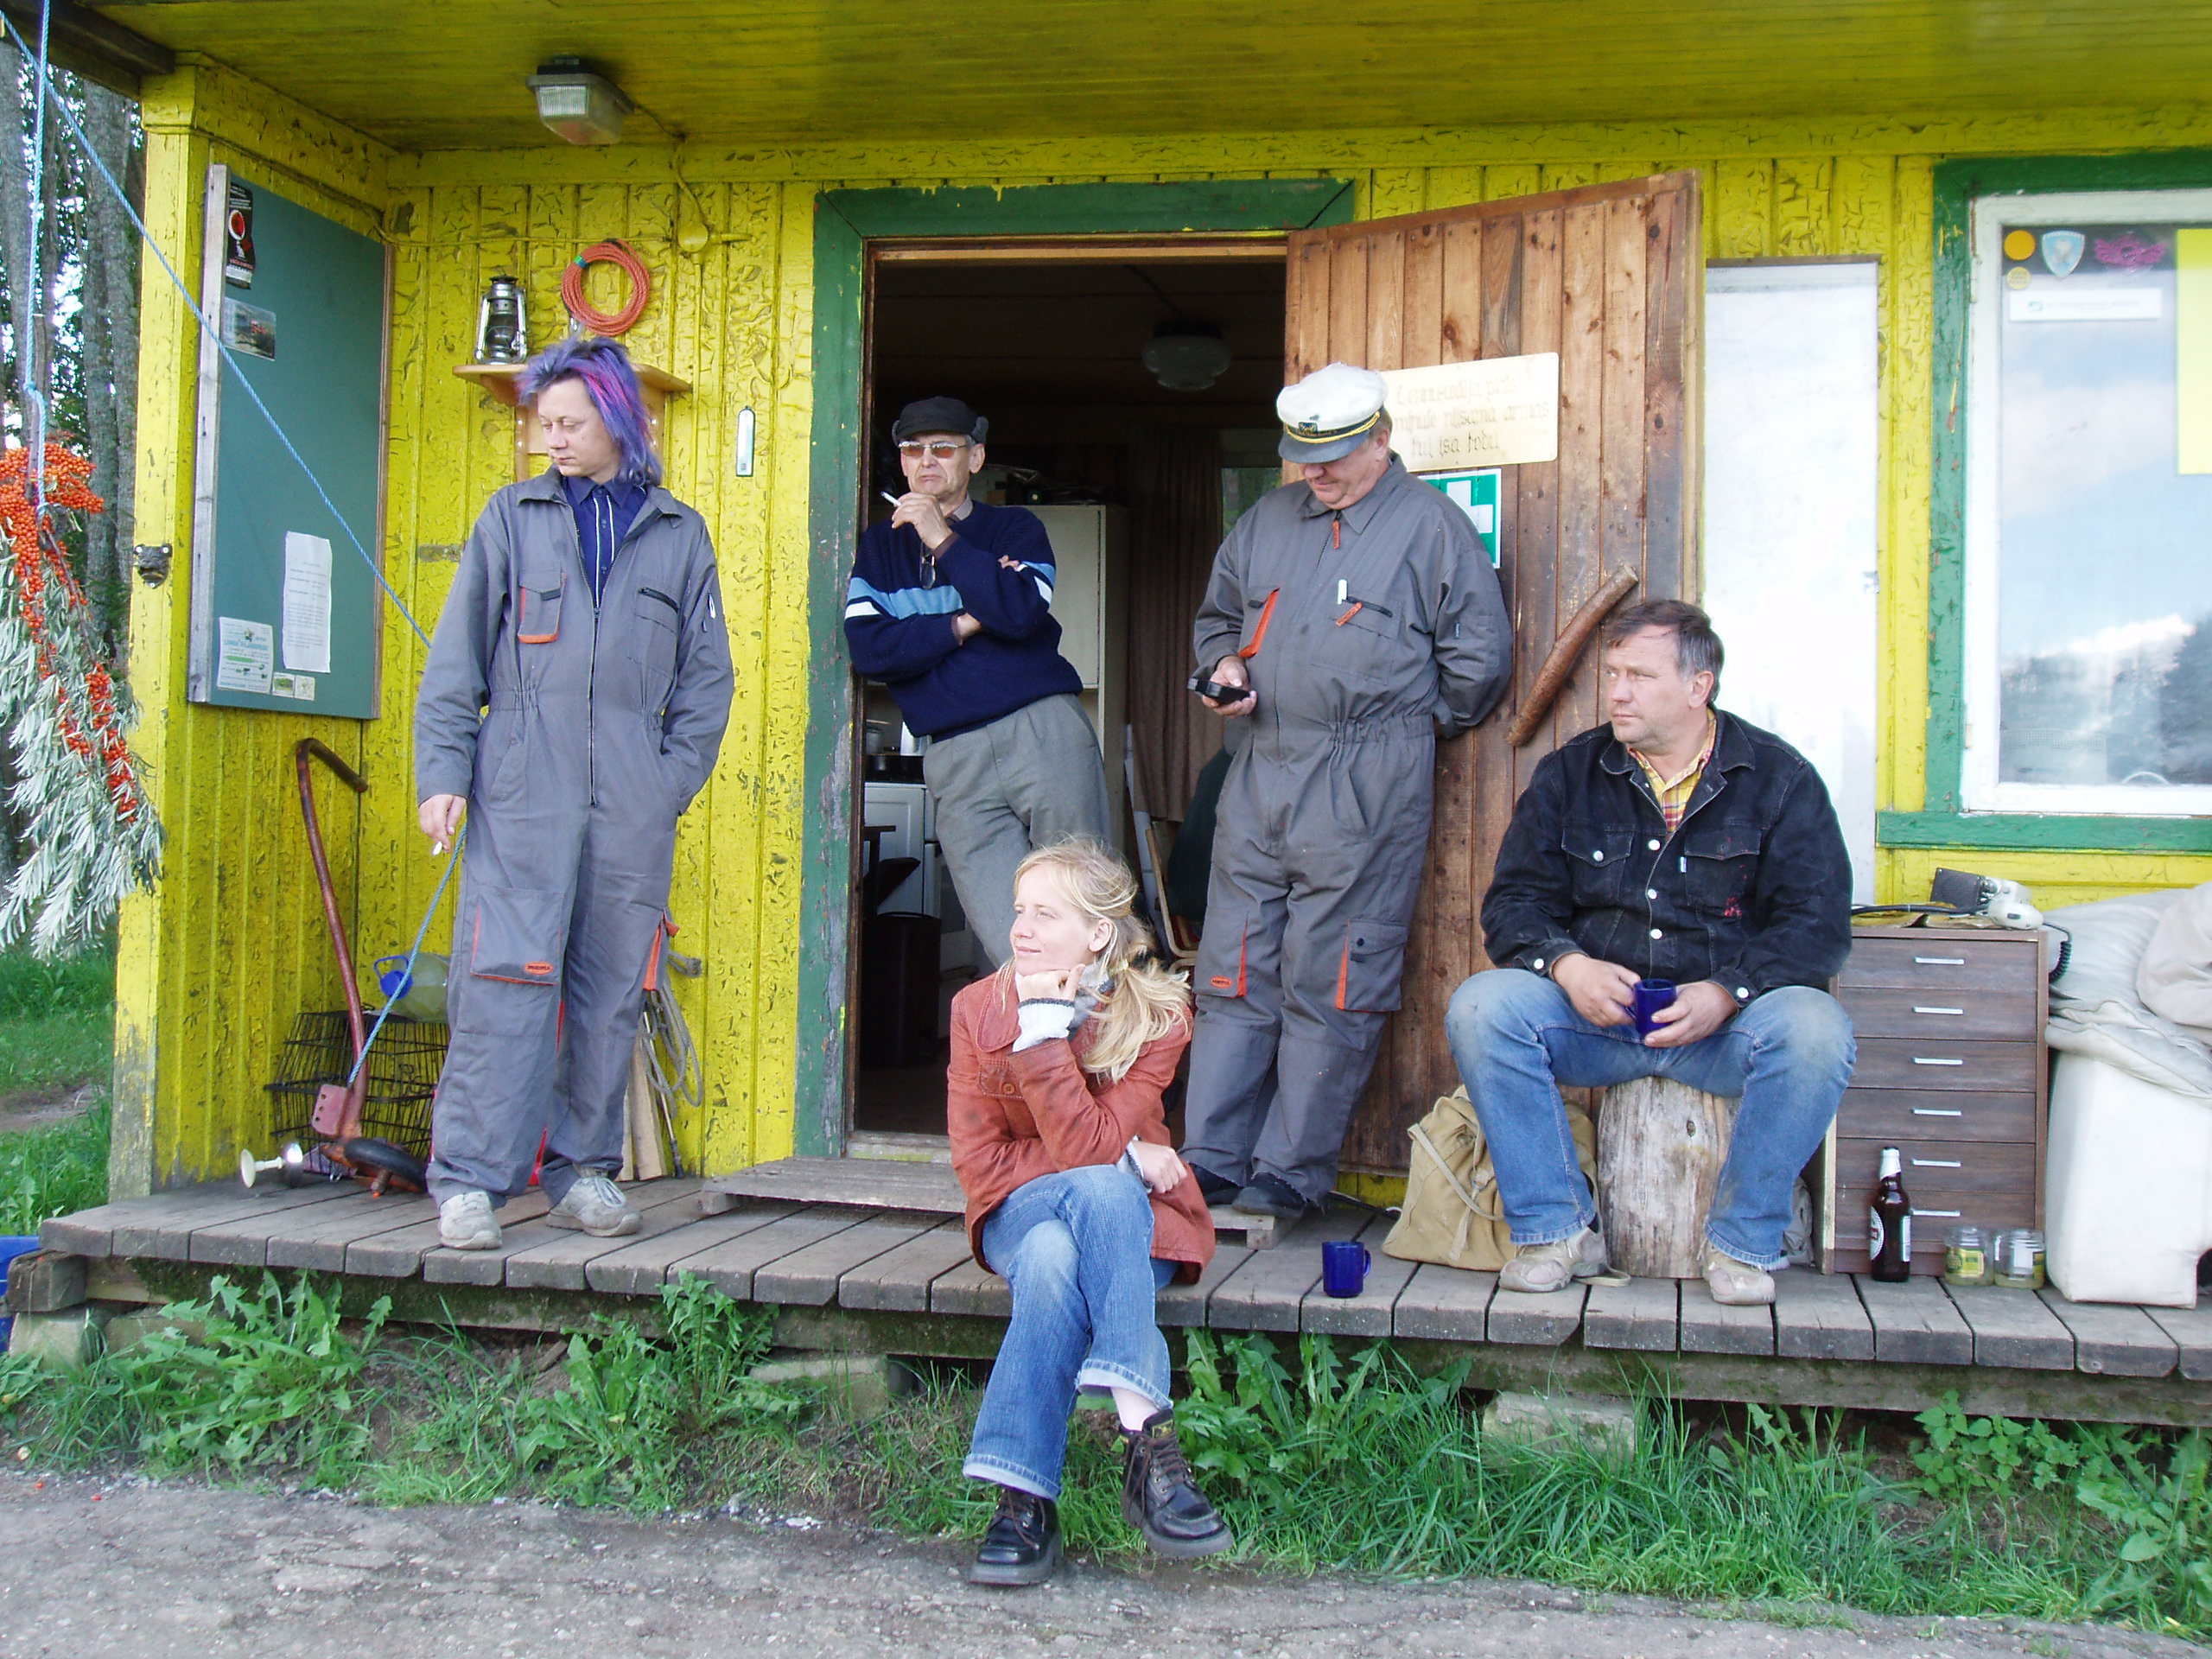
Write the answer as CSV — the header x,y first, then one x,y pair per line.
x,y
998,568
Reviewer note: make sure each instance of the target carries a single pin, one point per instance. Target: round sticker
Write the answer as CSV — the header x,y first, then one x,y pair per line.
x,y
2016,277
2018,244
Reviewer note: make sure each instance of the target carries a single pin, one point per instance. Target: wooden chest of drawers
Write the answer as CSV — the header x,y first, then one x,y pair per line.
x,y
1951,1073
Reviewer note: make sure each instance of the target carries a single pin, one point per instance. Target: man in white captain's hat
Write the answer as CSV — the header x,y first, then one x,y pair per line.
x,y
1352,618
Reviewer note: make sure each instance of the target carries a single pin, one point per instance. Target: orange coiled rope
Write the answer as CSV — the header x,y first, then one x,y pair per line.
x,y
601,323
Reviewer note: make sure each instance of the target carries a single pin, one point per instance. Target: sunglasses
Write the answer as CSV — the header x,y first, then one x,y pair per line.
x,y
944,449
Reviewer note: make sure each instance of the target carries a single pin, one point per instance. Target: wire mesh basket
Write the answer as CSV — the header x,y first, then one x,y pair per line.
x,y
403,1075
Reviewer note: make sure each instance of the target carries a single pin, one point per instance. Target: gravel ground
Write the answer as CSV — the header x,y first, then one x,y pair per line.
x,y
132,1567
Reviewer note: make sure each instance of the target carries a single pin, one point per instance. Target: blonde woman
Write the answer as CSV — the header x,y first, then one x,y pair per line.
x,y
1077,1199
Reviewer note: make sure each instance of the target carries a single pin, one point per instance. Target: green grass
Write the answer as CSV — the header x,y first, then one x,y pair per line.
x,y
54,1169
57,1022
1321,1457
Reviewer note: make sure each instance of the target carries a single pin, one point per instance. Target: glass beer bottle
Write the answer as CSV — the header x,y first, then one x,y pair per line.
x,y
1889,1243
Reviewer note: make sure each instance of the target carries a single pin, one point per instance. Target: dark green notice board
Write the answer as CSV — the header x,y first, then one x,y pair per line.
x,y
285,611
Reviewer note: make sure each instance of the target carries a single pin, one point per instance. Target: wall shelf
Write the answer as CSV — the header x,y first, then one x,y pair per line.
x,y
503,382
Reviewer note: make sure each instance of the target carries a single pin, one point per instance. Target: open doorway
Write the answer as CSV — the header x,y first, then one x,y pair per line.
x,y
1136,469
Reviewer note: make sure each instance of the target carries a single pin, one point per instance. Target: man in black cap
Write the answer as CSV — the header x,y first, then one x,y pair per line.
x,y
950,604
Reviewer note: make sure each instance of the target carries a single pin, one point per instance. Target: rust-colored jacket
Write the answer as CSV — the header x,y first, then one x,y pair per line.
x,y
1014,1117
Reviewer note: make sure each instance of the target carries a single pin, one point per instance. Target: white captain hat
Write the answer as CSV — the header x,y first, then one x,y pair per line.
x,y
1330,413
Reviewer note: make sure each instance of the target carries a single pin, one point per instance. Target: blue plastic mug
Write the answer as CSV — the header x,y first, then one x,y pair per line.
x,y
1651,996
1344,1267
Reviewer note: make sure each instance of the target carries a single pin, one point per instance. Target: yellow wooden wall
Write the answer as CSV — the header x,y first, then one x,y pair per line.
x,y
217,962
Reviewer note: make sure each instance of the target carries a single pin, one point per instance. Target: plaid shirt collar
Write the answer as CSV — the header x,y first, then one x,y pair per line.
x,y
1673,795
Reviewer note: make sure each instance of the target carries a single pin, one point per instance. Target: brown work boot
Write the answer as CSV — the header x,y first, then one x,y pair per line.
x,y
1160,1499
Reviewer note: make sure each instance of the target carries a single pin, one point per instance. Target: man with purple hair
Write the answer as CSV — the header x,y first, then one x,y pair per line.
x,y
572,705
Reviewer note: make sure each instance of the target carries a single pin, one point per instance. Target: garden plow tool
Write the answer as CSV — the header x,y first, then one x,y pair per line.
x,y
338,1106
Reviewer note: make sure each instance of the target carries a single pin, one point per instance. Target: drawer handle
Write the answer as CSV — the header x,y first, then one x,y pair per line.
x,y
1940,962
1917,1060
1919,1009
1938,1111
1953,1214
1938,1163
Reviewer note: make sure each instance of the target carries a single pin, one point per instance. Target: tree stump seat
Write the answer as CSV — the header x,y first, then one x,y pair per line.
x,y
1660,1147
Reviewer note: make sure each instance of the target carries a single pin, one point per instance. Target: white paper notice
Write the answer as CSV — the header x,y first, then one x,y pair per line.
x,y
307,603
243,656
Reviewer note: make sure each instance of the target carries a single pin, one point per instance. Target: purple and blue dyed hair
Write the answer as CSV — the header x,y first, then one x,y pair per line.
x,y
604,367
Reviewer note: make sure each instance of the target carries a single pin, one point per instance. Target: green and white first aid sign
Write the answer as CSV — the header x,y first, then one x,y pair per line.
x,y
1478,495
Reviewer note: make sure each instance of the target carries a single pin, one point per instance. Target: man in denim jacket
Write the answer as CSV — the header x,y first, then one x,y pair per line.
x,y
1678,843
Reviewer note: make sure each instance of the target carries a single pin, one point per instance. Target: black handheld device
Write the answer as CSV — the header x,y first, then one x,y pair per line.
x,y
1219,690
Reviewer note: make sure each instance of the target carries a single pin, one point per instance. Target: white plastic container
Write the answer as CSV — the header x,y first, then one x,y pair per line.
x,y
2127,1188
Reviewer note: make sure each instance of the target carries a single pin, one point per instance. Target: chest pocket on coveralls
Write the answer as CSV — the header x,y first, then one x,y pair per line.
x,y
1598,863
654,620
539,623
1361,640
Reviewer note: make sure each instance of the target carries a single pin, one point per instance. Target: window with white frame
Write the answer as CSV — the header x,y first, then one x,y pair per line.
x,y
2088,623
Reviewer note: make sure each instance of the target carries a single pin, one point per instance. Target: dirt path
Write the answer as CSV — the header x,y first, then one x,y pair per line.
x,y
89,1569
38,1109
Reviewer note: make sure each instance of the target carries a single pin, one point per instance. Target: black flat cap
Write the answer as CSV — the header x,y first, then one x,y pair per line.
x,y
940,414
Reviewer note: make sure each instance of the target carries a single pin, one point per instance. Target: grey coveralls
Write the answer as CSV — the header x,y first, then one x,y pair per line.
x,y
1366,632
577,734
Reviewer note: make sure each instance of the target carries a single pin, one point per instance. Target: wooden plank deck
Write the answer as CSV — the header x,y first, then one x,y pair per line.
x,y
1828,1338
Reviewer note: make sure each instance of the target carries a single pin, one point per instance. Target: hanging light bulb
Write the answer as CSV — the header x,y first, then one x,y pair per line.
x,y
1187,356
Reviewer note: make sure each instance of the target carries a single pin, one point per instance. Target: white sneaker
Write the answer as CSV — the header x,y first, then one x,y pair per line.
x,y
595,1205
466,1223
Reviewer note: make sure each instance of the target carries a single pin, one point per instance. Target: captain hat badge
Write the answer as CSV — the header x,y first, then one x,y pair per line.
x,y
1330,413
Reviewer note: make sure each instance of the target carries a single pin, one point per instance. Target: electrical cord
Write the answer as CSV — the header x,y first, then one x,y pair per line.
x,y
609,324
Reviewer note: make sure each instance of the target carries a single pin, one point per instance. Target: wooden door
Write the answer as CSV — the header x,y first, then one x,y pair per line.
x,y
1610,277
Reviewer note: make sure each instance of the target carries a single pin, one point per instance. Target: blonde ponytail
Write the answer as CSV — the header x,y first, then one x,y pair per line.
x,y
1147,1001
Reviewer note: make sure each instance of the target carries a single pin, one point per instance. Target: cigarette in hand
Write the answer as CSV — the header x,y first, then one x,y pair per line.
x,y
887,496
436,848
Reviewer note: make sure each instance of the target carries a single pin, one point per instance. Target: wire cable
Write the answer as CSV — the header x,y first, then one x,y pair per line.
x,y
614,323
209,330
407,974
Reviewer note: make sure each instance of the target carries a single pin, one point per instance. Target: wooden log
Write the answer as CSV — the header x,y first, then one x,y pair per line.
x,y
1566,652
1660,1147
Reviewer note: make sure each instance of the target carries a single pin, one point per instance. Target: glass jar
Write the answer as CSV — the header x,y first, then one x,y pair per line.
x,y
2019,1259
1965,1255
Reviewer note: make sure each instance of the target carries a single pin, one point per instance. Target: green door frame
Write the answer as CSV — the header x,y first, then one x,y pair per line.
x,y
1941,823
844,222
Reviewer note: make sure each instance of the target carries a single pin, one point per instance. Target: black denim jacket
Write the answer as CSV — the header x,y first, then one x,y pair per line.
x,y
1752,891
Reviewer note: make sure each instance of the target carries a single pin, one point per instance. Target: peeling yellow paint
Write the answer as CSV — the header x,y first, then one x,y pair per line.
x,y
217,962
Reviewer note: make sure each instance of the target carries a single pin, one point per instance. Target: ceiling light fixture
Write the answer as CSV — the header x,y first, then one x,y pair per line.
x,y
579,103
1187,356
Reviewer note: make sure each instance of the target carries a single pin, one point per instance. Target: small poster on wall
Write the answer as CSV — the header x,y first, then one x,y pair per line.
x,y
238,237
249,328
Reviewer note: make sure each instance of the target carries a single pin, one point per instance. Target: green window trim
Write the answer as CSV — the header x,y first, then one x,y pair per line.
x,y
844,222
1942,824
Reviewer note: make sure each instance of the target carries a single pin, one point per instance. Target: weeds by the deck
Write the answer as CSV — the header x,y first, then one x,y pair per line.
x,y
1322,1456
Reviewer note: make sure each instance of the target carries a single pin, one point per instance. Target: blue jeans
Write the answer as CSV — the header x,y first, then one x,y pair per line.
x,y
1516,1038
1076,1249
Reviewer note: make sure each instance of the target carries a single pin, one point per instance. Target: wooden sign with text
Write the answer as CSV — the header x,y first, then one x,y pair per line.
x,y
1497,411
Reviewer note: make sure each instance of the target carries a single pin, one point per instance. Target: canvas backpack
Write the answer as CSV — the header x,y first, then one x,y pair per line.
x,y
1452,1214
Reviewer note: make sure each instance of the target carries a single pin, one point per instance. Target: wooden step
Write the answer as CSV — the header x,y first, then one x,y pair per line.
x,y
891,1184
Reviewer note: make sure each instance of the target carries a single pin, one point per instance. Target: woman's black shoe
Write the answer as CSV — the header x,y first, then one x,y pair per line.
x,y
1023,1545
1159,1497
